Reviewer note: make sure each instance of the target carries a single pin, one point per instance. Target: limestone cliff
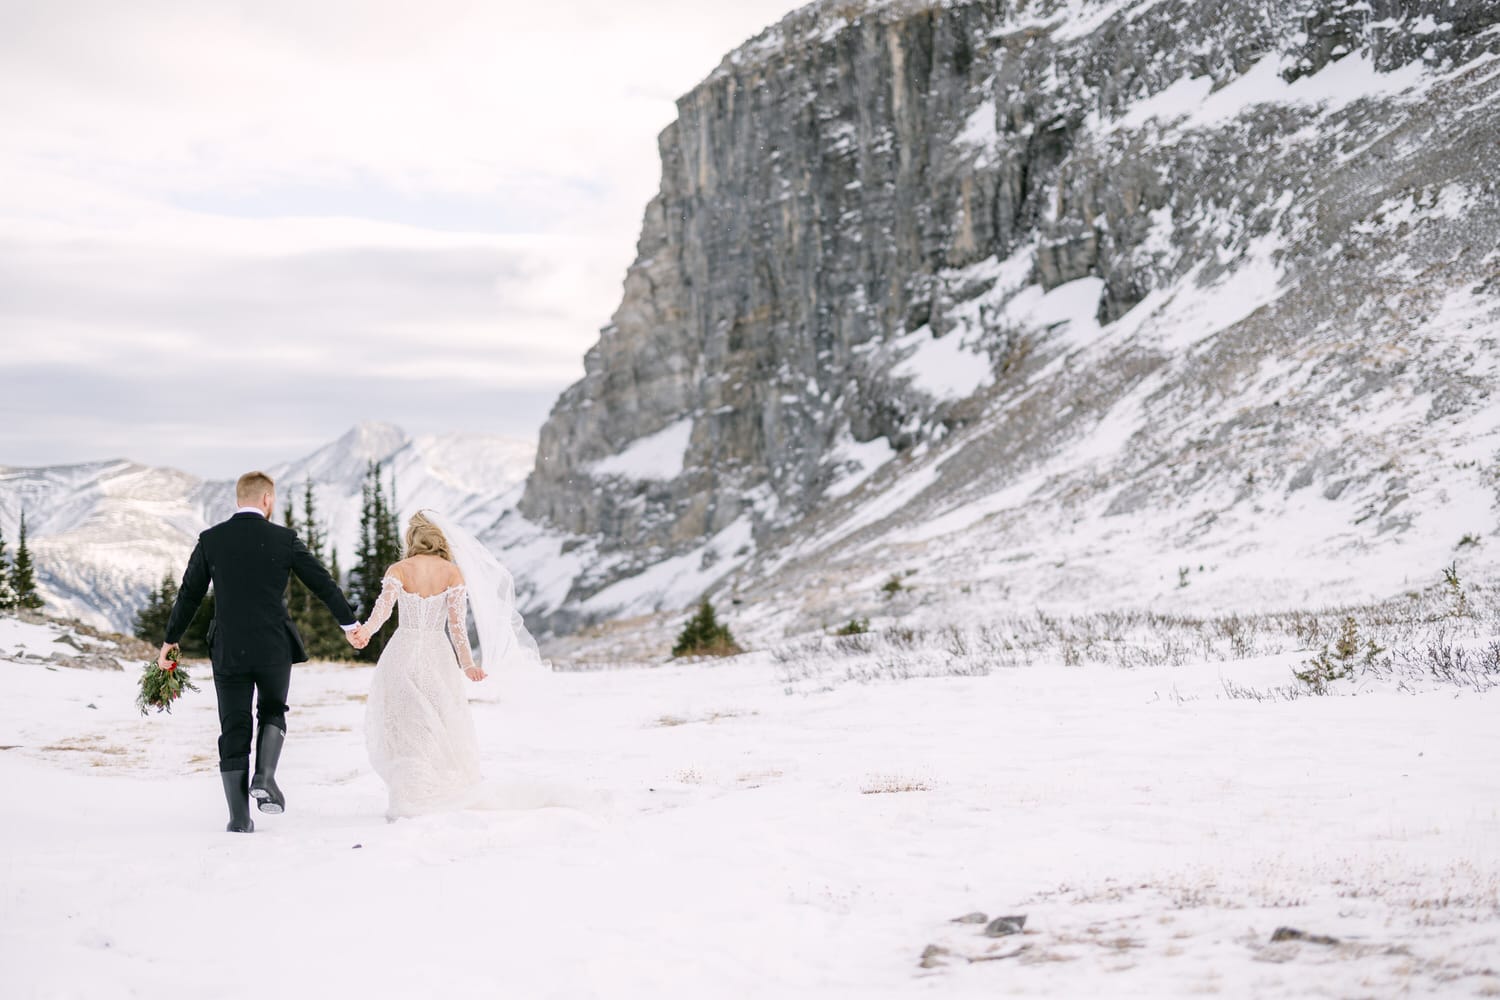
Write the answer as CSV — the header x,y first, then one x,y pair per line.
x,y
912,250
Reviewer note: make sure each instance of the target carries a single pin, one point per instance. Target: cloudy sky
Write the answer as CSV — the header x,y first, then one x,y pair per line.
x,y
231,230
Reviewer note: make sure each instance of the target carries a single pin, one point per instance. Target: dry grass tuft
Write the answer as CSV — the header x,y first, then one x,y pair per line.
x,y
711,717
85,744
892,784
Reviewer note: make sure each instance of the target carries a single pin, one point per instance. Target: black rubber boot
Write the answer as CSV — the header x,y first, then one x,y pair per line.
x,y
237,793
268,743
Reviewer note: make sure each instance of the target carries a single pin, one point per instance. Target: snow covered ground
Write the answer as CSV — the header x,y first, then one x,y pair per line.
x,y
740,832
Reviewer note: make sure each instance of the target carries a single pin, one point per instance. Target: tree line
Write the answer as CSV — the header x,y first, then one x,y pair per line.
x,y
379,544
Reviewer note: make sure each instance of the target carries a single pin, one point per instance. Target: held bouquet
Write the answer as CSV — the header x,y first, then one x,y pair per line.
x,y
159,688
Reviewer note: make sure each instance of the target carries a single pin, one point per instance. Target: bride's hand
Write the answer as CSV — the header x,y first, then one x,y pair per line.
x,y
475,674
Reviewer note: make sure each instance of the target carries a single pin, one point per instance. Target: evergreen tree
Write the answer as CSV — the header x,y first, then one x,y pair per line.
x,y
392,549
312,532
364,576
320,633
704,636
298,598
7,599
324,637
379,546
195,640
151,620
22,576
331,643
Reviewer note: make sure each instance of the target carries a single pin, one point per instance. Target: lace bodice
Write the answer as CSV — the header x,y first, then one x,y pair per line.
x,y
434,613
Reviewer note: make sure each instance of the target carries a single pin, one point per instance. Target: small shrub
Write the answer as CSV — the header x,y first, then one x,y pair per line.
x,y
1338,664
1470,540
1239,692
1182,576
1306,627
1456,590
1476,669
904,638
855,644
704,636
1241,634
892,587
1446,663
854,626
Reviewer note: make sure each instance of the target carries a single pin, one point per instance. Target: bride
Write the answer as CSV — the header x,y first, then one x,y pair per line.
x,y
418,727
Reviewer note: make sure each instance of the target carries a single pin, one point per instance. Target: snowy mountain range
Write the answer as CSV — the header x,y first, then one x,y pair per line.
x,y
103,533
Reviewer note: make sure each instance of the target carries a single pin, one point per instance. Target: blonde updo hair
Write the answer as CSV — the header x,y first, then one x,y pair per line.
x,y
423,538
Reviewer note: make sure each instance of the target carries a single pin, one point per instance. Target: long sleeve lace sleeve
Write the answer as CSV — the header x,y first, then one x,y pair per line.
x,y
382,609
458,630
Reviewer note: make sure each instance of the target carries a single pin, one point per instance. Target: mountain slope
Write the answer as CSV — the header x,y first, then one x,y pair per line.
x,y
104,533
1106,301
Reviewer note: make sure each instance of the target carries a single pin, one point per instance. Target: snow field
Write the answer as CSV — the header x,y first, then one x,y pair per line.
x,y
727,838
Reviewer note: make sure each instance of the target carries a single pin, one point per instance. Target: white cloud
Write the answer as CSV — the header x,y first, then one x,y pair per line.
x,y
243,188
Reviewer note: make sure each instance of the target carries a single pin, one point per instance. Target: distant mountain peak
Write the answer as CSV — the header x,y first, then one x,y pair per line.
x,y
374,440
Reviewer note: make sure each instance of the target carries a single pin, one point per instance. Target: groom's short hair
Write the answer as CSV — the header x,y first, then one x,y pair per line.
x,y
252,486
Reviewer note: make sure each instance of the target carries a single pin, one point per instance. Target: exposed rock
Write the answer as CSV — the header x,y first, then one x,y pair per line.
x,y
94,649
1293,934
934,956
867,187
1005,926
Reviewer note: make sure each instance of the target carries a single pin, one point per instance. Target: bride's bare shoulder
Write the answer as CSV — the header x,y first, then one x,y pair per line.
x,y
455,575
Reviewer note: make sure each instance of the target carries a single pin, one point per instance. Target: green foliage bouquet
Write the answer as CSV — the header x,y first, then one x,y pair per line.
x,y
159,688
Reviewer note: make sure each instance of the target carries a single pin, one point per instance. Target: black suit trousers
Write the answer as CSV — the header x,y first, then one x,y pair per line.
x,y
234,690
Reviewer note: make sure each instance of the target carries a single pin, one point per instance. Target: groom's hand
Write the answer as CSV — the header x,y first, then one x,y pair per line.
x,y
357,637
162,662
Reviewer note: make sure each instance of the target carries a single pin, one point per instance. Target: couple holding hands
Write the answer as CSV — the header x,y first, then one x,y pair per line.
x,y
418,727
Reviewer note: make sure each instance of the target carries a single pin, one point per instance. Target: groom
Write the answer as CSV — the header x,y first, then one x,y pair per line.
x,y
252,640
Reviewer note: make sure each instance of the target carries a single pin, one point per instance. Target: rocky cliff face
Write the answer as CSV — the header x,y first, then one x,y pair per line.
x,y
918,251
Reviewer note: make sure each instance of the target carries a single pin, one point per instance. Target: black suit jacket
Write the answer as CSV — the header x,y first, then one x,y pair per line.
x,y
248,560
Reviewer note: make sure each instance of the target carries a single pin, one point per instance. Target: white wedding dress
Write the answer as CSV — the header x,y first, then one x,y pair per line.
x,y
418,726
